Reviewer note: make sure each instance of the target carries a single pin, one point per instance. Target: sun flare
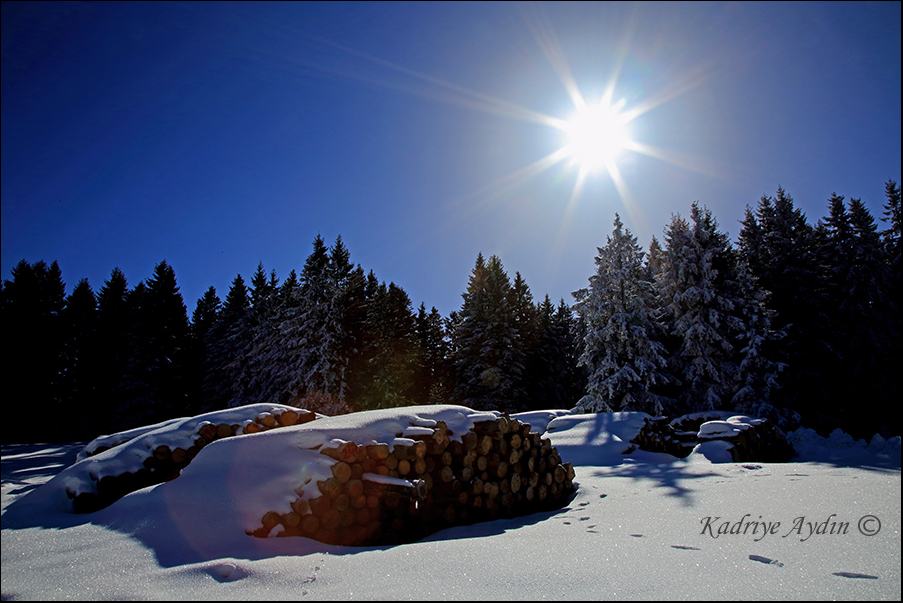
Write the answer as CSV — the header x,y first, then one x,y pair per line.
x,y
596,135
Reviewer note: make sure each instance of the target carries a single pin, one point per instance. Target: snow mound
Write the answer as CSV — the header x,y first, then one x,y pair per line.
x,y
842,447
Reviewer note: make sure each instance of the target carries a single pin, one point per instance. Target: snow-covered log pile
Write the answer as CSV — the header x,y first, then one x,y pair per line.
x,y
745,438
145,456
430,479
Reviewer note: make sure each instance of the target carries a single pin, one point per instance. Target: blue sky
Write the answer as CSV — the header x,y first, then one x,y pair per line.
x,y
217,136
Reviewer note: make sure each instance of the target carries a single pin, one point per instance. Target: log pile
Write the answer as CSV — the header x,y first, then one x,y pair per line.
x,y
388,495
751,439
164,463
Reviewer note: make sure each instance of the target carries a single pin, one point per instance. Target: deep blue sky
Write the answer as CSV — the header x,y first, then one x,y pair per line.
x,y
217,136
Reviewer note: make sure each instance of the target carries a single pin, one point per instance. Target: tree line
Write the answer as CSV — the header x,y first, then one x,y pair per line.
x,y
795,321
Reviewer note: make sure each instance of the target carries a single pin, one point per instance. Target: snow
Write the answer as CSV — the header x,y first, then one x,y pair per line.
x,y
641,525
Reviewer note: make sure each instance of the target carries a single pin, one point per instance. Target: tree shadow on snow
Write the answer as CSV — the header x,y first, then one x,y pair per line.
x,y
27,466
675,477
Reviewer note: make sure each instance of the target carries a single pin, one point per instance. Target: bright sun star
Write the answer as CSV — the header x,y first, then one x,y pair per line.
x,y
596,135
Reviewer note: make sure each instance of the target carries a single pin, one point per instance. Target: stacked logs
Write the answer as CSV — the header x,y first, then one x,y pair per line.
x,y
387,495
761,441
659,435
165,463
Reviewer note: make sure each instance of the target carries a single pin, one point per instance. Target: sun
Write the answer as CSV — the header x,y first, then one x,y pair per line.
x,y
596,135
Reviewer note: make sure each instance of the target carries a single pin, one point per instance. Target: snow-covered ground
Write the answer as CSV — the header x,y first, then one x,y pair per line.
x,y
641,526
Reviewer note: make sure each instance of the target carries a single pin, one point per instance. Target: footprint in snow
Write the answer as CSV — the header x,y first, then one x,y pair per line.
x,y
766,560
637,535
684,548
854,575
226,572
752,467
583,504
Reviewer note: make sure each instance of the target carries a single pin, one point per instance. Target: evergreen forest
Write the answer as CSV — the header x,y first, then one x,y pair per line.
x,y
794,321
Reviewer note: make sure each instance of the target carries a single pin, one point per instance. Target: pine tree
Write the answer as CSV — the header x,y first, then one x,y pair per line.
x,y
779,248
81,358
434,378
487,360
715,317
156,376
203,318
624,360
34,336
114,327
864,317
228,345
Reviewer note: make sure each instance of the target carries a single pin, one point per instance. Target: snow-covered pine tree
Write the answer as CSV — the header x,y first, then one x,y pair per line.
x,y
715,315
623,358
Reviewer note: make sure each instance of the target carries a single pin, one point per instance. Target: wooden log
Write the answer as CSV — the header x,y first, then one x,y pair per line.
x,y
266,419
300,506
502,470
309,523
207,431
515,441
287,418
391,462
469,458
514,456
470,441
357,470
291,519
271,520
481,464
560,474
487,428
330,487
305,416
346,452
571,474
484,446
341,471
378,452
419,449
542,492
515,483
252,428
446,475
223,430
331,520
419,466
341,503
162,453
